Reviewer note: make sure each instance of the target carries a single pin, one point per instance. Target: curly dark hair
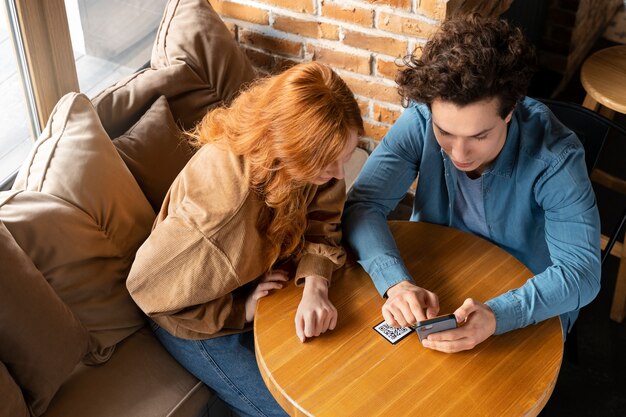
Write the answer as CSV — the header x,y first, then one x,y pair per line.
x,y
470,58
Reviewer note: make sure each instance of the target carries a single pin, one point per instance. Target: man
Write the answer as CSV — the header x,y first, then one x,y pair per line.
x,y
491,162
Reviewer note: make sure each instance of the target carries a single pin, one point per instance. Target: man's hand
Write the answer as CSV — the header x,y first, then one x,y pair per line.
x,y
272,280
407,304
480,323
315,314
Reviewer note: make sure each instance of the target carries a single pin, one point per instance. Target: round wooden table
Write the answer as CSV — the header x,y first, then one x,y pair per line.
x,y
353,371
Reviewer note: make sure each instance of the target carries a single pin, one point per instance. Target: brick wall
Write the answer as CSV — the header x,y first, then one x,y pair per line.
x,y
571,29
363,40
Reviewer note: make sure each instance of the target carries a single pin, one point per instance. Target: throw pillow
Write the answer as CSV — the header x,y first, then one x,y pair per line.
x,y
42,340
155,151
12,399
81,217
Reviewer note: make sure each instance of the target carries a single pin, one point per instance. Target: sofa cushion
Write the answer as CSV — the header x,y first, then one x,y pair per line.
x,y
81,217
184,69
42,340
12,400
155,151
140,380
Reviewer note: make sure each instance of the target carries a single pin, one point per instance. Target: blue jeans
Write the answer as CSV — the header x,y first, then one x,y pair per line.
x,y
228,365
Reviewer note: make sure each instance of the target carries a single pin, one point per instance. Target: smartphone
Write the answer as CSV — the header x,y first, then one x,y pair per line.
x,y
434,325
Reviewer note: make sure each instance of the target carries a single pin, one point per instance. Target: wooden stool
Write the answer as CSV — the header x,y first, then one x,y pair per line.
x,y
603,76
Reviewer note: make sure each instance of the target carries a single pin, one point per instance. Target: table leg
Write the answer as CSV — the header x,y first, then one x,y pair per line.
x,y
590,103
606,112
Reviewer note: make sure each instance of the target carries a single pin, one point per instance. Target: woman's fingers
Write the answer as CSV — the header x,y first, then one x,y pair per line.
x,y
264,288
300,327
318,322
277,275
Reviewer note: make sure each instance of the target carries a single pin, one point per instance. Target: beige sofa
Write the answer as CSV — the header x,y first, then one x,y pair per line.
x,y
72,342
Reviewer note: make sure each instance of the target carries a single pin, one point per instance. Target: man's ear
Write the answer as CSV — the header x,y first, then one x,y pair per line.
x,y
509,116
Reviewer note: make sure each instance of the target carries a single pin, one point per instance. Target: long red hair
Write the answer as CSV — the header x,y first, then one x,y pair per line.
x,y
288,127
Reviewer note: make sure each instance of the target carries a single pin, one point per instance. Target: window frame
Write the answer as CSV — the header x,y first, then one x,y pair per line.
x,y
45,47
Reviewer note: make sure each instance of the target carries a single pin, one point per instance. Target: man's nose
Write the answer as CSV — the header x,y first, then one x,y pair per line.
x,y
459,151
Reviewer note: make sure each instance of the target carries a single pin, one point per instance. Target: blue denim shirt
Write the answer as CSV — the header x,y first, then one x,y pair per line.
x,y
539,206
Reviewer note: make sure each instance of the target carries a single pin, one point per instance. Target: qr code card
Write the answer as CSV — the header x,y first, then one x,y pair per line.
x,y
391,334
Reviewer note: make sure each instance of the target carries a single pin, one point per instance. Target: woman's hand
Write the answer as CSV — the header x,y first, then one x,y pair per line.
x,y
315,314
272,280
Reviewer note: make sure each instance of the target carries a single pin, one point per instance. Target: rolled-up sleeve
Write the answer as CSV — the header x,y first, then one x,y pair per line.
x,y
381,185
572,233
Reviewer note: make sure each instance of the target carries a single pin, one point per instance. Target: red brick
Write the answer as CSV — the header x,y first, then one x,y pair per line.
x,y
306,28
405,25
260,60
241,12
375,131
282,46
303,6
281,64
435,9
343,60
484,8
398,4
364,107
381,44
388,69
373,89
268,63
355,15
385,114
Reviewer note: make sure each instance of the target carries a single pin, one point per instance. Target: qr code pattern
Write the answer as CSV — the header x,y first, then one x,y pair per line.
x,y
392,334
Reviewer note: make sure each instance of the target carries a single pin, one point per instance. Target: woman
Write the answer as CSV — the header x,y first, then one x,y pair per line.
x,y
264,190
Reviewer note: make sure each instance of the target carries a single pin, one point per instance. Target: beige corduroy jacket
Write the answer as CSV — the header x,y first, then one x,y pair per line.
x,y
190,275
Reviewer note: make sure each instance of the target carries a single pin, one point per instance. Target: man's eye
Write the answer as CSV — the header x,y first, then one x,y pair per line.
x,y
481,137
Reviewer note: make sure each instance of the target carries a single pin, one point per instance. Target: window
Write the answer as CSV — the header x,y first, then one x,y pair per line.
x,y
111,38
18,122
52,47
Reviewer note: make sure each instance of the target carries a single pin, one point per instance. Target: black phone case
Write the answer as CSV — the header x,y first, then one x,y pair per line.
x,y
434,325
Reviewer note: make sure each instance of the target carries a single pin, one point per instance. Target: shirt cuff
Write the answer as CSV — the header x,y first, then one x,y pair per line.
x,y
508,312
312,264
387,272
